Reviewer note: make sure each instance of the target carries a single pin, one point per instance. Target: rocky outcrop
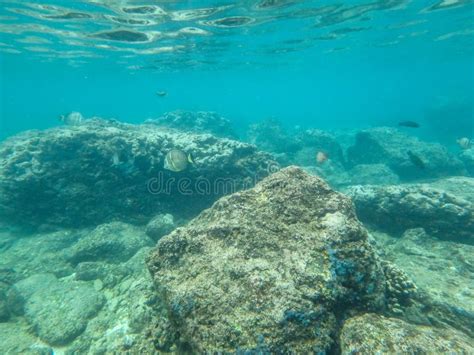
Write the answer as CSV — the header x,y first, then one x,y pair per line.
x,y
399,207
391,147
102,170
375,334
273,268
197,122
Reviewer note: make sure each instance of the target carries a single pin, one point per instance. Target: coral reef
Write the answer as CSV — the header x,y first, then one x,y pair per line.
x,y
275,280
53,177
399,207
391,147
197,122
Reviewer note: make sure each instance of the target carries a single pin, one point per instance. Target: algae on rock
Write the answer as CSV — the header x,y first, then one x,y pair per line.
x,y
271,268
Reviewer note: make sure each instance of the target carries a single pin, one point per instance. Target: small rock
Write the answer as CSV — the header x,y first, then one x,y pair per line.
x,y
160,226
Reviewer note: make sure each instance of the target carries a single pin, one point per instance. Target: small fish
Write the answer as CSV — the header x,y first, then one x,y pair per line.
x,y
410,124
72,119
464,143
161,93
321,157
176,160
416,160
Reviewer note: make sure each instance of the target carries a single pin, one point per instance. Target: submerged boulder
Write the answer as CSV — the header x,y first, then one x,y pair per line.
x,y
104,170
273,269
406,155
396,208
467,157
375,334
58,310
112,243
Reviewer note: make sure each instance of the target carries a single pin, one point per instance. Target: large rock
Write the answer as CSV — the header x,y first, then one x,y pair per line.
x,y
198,122
390,146
102,170
375,334
400,207
272,269
58,310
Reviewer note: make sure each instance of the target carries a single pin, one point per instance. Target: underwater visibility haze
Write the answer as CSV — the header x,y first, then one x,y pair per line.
x,y
256,176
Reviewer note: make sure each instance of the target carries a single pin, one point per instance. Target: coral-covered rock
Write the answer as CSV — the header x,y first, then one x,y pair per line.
x,y
197,122
391,147
271,269
399,207
102,170
375,334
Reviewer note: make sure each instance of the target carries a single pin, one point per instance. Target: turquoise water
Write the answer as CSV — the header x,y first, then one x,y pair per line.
x,y
358,64
125,123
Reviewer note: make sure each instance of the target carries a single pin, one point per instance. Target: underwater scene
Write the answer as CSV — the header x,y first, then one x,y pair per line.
x,y
237,177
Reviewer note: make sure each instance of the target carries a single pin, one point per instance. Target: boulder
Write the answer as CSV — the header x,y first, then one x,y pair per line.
x,y
376,334
58,310
113,242
160,226
397,208
101,171
372,174
442,269
198,122
467,157
270,269
391,147
270,136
